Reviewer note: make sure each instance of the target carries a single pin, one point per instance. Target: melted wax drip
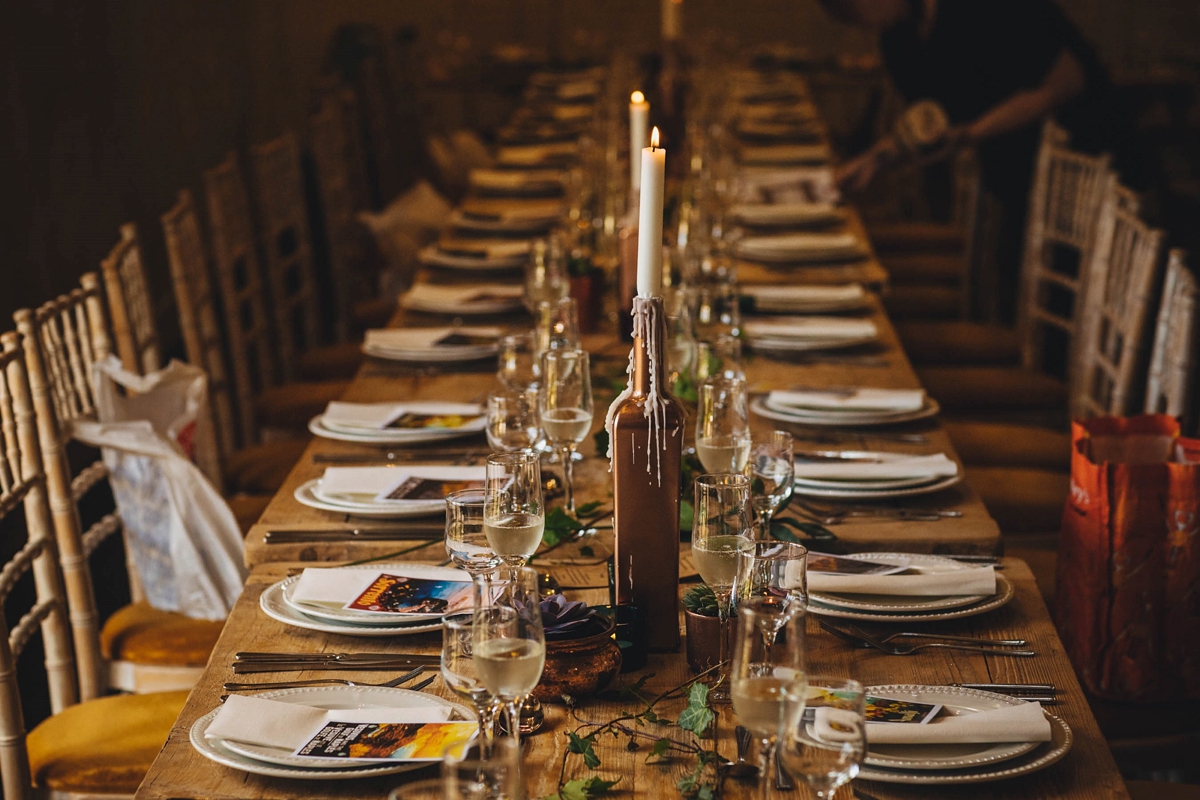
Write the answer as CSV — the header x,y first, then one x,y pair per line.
x,y
645,328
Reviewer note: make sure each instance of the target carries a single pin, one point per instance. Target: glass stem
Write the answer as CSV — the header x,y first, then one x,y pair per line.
x,y
568,478
764,766
724,602
514,719
487,726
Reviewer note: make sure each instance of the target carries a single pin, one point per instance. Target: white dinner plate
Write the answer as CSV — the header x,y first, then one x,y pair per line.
x,y
437,355
955,701
502,224
850,493
835,418
1004,593
432,256
901,604
354,617
875,484
305,494
797,249
317,426
274,606
275,763
772,346
780,215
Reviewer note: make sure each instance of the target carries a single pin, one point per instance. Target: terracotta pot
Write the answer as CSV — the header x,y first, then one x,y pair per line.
x,y
579,667
700,635
589,298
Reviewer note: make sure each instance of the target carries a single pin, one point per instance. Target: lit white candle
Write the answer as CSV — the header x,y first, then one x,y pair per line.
x,y
672,24
639,118
650,219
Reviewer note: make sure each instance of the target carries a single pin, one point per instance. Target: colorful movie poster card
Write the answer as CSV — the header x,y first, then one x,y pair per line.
x,y
418,488
397,594
841,565
380,741
885,709
413,420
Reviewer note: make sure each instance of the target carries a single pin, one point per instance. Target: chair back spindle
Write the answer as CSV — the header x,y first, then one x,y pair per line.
x,y
129,306
1173,356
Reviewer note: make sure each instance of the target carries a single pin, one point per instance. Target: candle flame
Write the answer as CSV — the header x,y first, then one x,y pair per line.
x,y
637,97
654,138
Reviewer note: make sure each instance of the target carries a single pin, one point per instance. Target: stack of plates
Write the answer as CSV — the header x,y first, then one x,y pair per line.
x,y
786,215
542,155
804,299
278,763
801,248
432,345
910,608
355,491
516,182
772,154
481,298
960,763
839,407
866,475
367,423
784,335
476,255
277,603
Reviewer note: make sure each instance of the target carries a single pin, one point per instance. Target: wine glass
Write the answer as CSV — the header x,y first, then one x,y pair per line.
x,y
466,543
517,368
512,419
773,569
768,658
719,358
772,474
720,530
508,641
717,310
545,280
681,343
565,407
483,774
723,425
513,513
557,325
822,735
461,675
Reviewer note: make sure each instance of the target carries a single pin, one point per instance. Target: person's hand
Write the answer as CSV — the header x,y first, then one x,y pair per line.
x,y
857,173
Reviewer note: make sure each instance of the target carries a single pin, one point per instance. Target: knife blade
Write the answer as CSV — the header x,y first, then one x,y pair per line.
x,y
425,532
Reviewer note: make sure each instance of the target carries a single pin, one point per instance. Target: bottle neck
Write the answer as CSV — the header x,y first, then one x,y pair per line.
x,y
648,343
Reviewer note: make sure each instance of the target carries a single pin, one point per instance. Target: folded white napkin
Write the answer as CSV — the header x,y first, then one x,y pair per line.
x,y
427,294
270,723
784,213
513,179
862,399
889,466
785,297
535,153
340,414
968,581
800,243
409,339
335,587
810,328
365,484
1020,723
485,248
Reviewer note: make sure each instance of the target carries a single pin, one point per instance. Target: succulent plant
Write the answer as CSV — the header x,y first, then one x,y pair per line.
x,y
566,619
700,600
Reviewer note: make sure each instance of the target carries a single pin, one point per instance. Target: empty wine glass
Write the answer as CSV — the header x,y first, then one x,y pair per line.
x,y
719,358
565,407
513,513
772,474
517,368
720,530
681,342
483,774
460,674
557,325
773,569
545,278
508,641
512,419
466,543
822,735
723,425
717,311
767,659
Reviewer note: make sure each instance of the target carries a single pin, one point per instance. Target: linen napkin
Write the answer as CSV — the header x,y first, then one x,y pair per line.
x,y
513,179
488,249
410,339
799,244
857,399
525,154
270,723
890,465
376,416
786,154
811,328
366,484
787,298
969,581
784,213
427,295
1020,723
335,587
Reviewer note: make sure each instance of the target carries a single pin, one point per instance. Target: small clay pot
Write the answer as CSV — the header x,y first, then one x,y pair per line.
x,y
579,667
700,636
587,291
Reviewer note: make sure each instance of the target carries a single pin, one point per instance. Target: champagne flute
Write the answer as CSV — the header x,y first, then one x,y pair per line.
x,y
822,734
492,774
719,358
517,368
557,325
545,280
771,568
720,530
513,513
466,543
565,406
509,644
772,473
768,657
460,673
717,310
723,425
512,419
681,343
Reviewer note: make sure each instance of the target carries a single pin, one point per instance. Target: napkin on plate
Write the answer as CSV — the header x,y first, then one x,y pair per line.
x,y
365,484
376,416
889,466
488,249
857,399
513,179
270,723
786,154
410,339
799,244
968,581
334,587
525,154
427,294
1019,723
811,328
784,298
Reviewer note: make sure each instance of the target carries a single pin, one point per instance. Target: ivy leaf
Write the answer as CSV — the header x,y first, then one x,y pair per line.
x,y
587,509
779,530
600,439
630,692
661,746
687,515
560,527
584,789
582,745
697,716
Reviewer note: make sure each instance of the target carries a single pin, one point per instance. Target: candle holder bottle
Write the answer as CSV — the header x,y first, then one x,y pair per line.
x,y
647,453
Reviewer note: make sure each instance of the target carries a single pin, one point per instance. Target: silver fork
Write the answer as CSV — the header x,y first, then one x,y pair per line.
x,y
233,686
942,636
907,650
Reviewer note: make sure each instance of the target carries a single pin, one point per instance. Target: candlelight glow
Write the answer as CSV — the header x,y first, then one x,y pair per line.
x,y
654,138
637,97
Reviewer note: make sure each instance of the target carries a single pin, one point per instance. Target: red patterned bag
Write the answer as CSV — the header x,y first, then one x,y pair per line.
x,y
1127,600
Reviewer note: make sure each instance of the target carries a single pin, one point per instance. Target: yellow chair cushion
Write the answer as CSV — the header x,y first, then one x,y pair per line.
x,y
292,405
1021,499
1001,444
145,635
262,468
925,267
247,508
905,301
103,746
331,362
908,236
959,342
982,389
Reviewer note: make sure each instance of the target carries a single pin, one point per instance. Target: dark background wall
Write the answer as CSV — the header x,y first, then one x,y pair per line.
x,y
108,107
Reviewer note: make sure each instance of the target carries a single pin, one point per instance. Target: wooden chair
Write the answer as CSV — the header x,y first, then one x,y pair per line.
x,y
1173,356
147,648
129,306
98,748
255,469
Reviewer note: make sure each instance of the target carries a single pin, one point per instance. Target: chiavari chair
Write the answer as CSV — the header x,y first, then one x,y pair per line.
x,y
130,309
1173,356
138,647
96,748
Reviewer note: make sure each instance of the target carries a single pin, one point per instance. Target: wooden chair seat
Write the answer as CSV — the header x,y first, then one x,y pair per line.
x,y
262,468
888,237
1000,444
947,268
330,362
103,746
987,389
292,405
926,301
1021,500
959,342
247,508
144,634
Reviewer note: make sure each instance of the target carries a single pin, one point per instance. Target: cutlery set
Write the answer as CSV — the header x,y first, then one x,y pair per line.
x,y
861,638
416,531
245,663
